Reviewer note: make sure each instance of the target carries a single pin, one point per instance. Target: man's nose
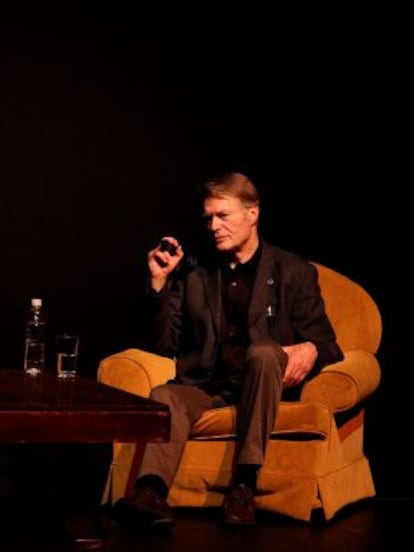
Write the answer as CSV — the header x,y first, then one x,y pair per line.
x,y
214,223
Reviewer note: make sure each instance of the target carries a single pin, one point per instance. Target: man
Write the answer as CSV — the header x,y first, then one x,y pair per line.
x,y
243,329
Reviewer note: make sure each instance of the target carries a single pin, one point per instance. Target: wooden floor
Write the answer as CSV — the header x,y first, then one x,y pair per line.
x,y
374,526
33,509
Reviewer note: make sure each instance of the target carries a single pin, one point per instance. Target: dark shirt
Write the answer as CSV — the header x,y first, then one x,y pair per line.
x,y
237,289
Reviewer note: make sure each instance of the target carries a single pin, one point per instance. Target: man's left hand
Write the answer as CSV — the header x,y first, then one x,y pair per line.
x,y
301,358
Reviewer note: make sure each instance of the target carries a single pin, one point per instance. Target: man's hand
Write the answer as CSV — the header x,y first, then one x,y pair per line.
x,y
301,358
162,261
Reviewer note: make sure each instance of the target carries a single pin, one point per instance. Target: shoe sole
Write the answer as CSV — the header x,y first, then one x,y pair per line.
x,y
162,523
130,517
238,523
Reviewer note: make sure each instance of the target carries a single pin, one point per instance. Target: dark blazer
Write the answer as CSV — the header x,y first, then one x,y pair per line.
x,y
186,314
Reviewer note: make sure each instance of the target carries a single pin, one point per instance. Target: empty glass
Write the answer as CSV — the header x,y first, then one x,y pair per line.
x,y
67,346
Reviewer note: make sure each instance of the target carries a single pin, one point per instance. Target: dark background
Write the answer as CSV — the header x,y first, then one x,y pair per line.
x,y
111,115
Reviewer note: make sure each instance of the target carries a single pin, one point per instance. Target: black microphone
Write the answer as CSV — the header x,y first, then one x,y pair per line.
x,y
165,245
188,262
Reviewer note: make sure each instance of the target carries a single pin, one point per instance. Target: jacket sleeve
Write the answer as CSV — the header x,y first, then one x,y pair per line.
x,y
310,320
165,317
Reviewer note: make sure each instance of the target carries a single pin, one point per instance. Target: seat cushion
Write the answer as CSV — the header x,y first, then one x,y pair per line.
x,y
311,420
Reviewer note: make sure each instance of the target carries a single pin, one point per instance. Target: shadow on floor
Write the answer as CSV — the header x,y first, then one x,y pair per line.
x,y
48,495
372,526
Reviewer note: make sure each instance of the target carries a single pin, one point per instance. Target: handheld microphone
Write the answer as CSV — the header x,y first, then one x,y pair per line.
x,y
189,262
165,245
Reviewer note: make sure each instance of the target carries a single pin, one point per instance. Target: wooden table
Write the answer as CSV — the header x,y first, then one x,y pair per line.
x,y
44,409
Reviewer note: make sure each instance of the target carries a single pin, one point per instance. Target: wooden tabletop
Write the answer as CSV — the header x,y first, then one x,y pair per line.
x,y
44,409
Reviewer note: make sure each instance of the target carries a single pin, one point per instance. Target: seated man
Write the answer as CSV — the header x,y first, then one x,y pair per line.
x,y
244,327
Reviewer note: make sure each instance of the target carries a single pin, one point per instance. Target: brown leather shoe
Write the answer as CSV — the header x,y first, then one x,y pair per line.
x,y
238,506
144,507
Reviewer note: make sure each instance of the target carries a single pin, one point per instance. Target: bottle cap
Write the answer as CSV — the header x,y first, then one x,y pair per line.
x,y
36,302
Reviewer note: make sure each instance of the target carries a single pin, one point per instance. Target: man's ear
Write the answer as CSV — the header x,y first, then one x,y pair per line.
x,y
254,213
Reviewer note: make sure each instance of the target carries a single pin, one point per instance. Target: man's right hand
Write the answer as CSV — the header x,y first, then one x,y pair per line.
x,y
161,262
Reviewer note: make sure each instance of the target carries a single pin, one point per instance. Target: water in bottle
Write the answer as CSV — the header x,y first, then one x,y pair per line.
x,y
34,350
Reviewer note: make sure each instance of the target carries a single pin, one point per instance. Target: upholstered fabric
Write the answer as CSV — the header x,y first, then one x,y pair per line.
x,y
315,458
299,418
352,311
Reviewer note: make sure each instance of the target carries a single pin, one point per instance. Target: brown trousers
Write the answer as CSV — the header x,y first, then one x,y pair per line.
x,y
256,412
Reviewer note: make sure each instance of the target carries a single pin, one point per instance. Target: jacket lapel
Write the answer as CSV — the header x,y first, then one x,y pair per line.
x,y
264,290
212,283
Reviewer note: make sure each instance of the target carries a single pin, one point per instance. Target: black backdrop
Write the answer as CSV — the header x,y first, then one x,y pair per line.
x,y
110,118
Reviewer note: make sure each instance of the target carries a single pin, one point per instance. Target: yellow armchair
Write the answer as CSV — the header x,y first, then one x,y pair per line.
x,y
315,459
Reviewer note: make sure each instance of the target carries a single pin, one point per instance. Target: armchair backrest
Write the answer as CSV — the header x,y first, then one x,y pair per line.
x,y
352,311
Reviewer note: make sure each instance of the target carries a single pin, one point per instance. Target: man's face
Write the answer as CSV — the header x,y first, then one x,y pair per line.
x,y
230,223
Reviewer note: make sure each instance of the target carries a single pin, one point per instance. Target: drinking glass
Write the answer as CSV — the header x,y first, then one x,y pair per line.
x,y
67,346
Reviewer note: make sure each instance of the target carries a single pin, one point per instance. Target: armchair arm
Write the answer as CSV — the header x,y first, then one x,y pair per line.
x,y
344,384
135,371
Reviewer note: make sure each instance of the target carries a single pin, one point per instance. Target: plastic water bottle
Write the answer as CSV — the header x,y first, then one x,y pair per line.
x,y
34,348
